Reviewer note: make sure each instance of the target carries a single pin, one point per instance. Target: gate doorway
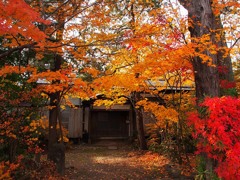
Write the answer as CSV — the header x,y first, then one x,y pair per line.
x,y
109,124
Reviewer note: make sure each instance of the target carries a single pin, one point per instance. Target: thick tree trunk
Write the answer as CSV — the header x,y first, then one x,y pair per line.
x,y
140,124
207,78
202,22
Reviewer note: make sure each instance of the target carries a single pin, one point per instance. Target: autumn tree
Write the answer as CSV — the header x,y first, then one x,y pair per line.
x,y
149,46
78,40
27,38
60,78
19,106
19,101
205,22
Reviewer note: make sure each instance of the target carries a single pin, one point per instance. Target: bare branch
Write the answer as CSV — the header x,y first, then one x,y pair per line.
x,y
71,17
235,43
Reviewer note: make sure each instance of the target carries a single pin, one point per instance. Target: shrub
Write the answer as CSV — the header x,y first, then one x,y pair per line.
x,y
218,134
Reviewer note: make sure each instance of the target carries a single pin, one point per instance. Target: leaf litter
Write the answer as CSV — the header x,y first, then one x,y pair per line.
x,y
126,163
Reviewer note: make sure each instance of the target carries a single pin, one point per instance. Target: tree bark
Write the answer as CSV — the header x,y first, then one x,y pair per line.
x,y
202,22
207,78
139,123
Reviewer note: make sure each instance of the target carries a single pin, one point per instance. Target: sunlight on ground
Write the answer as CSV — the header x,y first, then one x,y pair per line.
x,y
108,159
146,160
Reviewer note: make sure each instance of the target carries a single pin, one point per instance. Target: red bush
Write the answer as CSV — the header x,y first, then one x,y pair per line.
x,y
218,132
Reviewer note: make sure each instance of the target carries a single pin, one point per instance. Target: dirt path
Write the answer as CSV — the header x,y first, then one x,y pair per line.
x,y
118,161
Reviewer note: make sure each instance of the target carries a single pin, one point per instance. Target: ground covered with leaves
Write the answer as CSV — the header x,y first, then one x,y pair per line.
x,y
119,161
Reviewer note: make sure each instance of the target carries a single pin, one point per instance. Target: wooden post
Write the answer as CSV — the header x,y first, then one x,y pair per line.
x,y
75,123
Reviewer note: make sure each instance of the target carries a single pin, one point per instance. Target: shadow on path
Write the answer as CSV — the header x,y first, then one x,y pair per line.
x,y
111,160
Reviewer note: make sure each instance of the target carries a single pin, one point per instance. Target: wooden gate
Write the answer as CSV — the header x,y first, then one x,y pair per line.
x,y
109,124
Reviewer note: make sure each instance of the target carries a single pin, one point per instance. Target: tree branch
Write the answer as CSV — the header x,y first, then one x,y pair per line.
x,y
10,51
235,43
71,17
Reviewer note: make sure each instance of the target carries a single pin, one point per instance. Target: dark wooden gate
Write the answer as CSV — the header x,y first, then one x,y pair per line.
x,y
109,124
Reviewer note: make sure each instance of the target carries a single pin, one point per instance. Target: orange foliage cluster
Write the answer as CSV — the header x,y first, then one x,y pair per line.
x,y
161,113
6,168
8,70
17,17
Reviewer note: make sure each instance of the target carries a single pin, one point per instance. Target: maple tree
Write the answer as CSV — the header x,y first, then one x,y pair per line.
x,y
19,106
18,28
23,41
144,57
18,33
61,78
206,51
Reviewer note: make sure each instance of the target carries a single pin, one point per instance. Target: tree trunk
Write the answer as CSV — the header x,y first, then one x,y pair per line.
x,y
202,22
207,78
53,116
12,149
56,152
53,112
139,123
